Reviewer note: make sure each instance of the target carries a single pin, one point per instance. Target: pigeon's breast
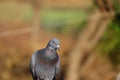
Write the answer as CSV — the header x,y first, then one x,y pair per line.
x,y
45,72
47,58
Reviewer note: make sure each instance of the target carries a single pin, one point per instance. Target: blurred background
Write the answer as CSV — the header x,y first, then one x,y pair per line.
x,y
89,31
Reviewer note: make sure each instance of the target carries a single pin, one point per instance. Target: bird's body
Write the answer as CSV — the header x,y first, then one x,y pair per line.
x,y
45,63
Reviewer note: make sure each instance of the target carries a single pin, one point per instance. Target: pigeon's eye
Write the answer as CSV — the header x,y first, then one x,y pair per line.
x,y
53,42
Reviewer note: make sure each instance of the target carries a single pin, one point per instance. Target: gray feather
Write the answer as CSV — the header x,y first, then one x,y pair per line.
x,y
32,63
58,67
45,63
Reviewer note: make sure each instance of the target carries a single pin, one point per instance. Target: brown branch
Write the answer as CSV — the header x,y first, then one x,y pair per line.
x,y
36,4
99,33
85,42
91,26
72,73
35,26
77,54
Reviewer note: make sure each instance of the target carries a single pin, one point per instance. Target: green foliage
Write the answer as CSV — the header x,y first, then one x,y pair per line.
x,y
110,44
62,21
116,5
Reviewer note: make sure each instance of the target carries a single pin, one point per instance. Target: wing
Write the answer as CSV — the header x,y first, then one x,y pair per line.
x,y
32,64
57,69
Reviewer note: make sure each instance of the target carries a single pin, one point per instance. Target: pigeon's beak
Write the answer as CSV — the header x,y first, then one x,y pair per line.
x,y
58,47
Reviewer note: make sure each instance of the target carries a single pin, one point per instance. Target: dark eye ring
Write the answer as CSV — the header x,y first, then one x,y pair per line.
x,y
54,42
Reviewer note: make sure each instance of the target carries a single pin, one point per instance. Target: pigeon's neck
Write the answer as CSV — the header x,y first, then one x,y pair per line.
x,y
49,57
50,48
50,53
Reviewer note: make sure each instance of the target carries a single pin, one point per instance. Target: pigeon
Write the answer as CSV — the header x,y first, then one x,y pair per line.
x,y
45,63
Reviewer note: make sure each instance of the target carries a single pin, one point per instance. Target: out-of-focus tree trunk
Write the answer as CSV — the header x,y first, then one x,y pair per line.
x,y
36,23
104,5
88,39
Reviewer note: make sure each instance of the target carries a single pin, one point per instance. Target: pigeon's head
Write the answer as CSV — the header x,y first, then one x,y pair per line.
x,y
54,43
